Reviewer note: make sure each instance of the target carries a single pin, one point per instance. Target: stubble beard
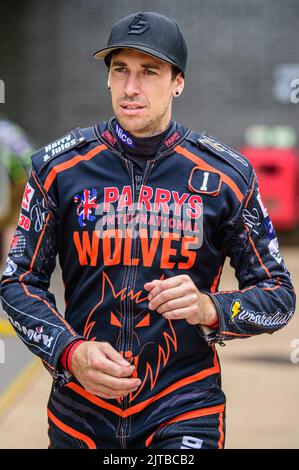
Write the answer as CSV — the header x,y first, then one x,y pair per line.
x,y
142,127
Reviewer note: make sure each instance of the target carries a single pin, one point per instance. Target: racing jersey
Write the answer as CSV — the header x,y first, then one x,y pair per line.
x,y
116,227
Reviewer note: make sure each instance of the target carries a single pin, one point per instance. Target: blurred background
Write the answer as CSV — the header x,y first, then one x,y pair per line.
x,y
242,86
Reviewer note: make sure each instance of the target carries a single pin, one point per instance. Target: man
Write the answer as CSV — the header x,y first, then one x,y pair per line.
x,y
142,212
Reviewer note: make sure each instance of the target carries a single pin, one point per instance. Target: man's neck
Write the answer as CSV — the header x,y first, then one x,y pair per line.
x,y
145,135
139,146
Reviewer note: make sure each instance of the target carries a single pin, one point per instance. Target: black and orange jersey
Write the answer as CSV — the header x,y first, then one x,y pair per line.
x,y
116,227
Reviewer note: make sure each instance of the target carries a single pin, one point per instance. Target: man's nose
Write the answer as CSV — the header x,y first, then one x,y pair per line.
x,y
132,86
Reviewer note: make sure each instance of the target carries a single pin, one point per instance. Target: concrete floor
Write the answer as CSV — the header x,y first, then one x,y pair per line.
x,y
259,379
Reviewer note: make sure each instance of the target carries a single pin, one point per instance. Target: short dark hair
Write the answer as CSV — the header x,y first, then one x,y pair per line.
x,y
174,70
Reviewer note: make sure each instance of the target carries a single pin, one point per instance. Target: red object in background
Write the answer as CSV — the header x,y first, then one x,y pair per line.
x,y
276,169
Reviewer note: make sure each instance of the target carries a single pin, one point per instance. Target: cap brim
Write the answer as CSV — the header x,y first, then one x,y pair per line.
x,y
102,53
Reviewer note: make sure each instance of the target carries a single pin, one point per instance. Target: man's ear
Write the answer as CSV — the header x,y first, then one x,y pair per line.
x,y
108,79
180,83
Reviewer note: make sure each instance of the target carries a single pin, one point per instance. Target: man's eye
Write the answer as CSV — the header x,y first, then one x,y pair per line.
x,y
120,69
149,72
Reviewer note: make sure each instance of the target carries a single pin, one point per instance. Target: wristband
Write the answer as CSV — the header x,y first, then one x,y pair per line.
x,y
213,325
66,356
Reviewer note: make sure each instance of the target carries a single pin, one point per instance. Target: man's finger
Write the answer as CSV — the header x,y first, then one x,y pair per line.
x,y
114,383
165,296
159,286
150,285
178,314
114,355
105,365
108,393
176,303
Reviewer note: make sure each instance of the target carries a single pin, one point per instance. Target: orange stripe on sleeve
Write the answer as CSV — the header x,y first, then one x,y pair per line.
x,y
49,306
250,194
36,248
40,188
7,281
42,233
72,432
237,291
272,288
32,264
189,415
234,334
258,255
70,163
205,166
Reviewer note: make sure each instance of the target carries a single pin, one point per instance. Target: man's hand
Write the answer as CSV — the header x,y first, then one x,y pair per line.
x,y
102,370
178,298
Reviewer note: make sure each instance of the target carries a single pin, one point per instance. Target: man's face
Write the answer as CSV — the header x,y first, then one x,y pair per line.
x,y
142,90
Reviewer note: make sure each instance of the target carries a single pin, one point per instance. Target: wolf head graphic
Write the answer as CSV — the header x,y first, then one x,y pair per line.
x,y
152,338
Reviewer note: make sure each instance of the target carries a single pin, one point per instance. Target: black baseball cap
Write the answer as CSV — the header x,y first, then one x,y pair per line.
x,y
149,32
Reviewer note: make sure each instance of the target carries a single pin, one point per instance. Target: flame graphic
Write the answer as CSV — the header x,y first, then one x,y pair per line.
x,y
163,357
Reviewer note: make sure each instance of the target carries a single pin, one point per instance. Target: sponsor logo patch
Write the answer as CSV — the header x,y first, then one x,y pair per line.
x,y
27,197
18,245
235,310
43,336
38,215
24,222
109,137
67,142
190,442
270,233
124,137
10,267
173,138
241,314
212,143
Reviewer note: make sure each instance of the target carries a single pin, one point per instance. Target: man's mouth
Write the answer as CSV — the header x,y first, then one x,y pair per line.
x,y
131,106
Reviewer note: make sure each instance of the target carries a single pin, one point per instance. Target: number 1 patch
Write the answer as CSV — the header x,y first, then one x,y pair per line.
x,y
206,182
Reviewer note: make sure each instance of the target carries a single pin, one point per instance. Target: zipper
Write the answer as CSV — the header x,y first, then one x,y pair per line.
x,y
137,181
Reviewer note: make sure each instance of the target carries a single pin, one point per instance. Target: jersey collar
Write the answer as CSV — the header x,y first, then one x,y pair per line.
x,y
175,135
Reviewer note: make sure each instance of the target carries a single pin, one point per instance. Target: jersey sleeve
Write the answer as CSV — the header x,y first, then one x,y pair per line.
x,y
24,288
265,301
